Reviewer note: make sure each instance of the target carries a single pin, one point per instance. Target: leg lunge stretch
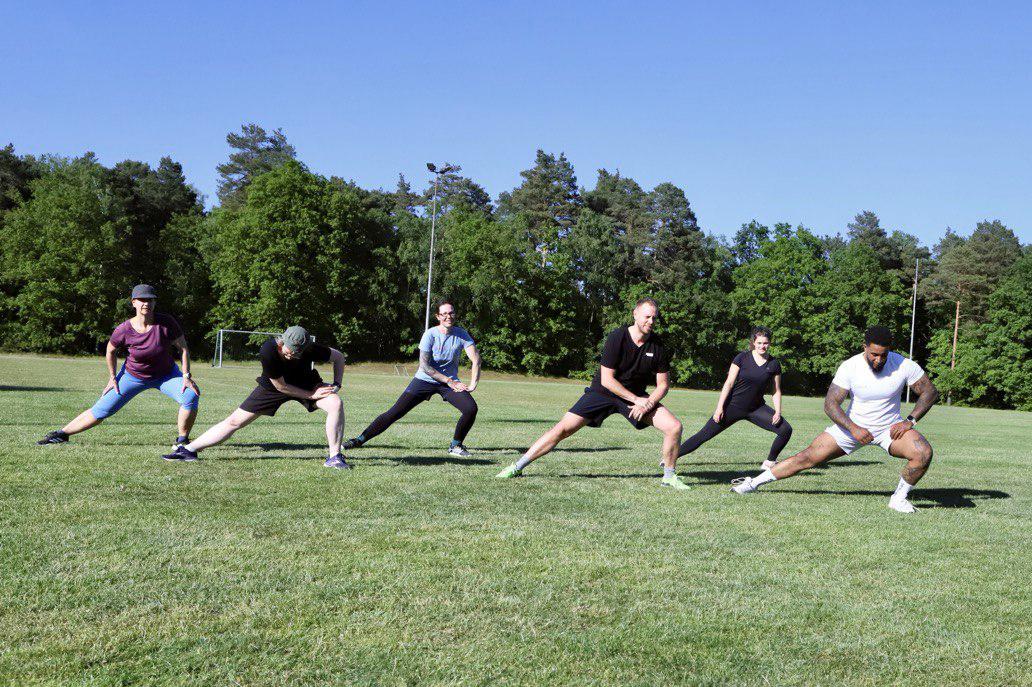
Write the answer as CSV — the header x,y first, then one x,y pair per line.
x,y
287,375
741,398
874,379
440,350
632,358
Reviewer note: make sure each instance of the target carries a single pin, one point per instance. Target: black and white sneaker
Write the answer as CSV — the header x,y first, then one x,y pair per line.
x,y
350,444
460,451
181,453
56,437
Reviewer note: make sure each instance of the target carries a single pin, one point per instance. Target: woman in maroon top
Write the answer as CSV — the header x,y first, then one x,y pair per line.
x,y
149,338
748,378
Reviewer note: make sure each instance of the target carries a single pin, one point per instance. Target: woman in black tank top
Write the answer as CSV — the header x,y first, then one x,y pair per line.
x,y
748,378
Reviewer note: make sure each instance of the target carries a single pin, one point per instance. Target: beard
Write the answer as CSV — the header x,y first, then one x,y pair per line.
x,y
876,368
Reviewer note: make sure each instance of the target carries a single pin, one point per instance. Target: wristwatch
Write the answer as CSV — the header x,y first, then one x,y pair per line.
x,y
912,420
187,375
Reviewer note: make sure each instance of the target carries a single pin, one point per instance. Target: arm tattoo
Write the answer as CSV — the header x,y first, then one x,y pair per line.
x,y
427,368
833,405
927,396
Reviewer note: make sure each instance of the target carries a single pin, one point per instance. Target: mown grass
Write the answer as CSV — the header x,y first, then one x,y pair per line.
x,y
257,566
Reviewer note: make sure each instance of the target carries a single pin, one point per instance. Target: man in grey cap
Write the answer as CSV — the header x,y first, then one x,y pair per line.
x,y
288,374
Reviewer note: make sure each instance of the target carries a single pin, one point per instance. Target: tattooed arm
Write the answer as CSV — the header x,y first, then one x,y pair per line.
x,y
833,408
927,396
428,369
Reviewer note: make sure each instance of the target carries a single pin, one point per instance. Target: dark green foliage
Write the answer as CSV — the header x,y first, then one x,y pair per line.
x,y
256,152
970,269
73,251
304,250
548,200
15,174
994,358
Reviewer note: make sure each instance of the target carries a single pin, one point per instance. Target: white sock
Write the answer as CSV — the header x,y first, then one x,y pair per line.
x,y
523,462
902,489
763,478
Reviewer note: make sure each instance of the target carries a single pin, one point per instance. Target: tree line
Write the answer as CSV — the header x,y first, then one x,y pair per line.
x,y
538,274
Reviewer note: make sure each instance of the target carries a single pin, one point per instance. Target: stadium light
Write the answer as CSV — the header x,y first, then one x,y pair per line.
x,y
433,226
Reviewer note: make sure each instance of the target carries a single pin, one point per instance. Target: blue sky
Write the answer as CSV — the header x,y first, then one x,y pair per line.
x,y
799,112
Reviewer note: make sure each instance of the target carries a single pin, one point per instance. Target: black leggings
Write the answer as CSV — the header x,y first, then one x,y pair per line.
x,y
761,417
463,400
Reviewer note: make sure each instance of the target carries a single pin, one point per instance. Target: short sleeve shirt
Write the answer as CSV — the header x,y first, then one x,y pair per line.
x,y
445,351
635,367
150,353
875,396
752,382
298,372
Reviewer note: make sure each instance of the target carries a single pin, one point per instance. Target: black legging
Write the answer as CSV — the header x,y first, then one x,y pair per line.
x,y
463,400
761,417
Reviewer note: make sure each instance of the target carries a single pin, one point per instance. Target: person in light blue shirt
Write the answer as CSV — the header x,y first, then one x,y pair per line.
x,y
440,350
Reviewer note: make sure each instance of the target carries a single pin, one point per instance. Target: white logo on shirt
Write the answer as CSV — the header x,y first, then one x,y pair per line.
x,y
649,355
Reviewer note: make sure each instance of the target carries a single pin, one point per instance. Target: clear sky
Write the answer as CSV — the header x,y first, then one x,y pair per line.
x,y
798,112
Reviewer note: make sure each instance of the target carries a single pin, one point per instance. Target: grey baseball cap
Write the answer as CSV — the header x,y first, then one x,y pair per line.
x,y
296,338
144,291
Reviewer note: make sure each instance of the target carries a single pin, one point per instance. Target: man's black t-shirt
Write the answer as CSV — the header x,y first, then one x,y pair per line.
x,y
752,382
298,372
633,366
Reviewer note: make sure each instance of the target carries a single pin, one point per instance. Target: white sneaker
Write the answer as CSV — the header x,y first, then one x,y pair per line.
x,y
743,485
902,505
768,464
459,450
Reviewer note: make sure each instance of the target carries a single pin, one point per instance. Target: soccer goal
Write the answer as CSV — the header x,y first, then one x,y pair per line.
x,y
238,345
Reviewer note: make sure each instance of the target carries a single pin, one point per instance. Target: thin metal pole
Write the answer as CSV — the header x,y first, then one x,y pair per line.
x,y
913,319
953,360
430,268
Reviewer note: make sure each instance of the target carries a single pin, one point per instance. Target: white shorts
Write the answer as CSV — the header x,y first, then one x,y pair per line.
x,y
848,444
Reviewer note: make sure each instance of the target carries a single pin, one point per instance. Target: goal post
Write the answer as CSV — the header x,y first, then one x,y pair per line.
x,y
237,343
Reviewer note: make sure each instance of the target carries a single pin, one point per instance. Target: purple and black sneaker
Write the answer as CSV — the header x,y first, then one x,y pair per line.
x,y
338,462
181,453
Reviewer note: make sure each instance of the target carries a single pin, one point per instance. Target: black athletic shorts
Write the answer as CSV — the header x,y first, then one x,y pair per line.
x,y
595,406
264,401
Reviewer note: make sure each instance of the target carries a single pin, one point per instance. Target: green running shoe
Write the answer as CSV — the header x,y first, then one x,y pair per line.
x,y
510,472
674,483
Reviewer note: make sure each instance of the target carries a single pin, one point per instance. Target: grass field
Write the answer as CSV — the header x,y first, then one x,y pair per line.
x,y
257,566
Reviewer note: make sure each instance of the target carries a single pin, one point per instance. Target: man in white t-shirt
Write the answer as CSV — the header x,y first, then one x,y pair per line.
x,y
874,380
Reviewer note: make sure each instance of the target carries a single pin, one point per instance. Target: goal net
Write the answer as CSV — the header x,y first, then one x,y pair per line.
x,y
237,347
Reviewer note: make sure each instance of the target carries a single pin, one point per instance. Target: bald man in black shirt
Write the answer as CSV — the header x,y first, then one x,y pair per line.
x,y
632,358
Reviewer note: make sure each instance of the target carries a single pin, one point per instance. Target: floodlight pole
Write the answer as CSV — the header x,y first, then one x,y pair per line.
x,y
913,319
433,226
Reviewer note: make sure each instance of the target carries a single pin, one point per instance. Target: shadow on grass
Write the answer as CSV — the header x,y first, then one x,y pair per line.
x,y
693,476
519,421
423,460
949,497
6,387
521,449
276,445
371,461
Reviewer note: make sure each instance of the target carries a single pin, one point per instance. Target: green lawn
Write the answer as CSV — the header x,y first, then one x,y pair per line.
x,y
257,566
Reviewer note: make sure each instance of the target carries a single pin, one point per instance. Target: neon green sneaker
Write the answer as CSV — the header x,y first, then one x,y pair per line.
x,y
510,472
674,483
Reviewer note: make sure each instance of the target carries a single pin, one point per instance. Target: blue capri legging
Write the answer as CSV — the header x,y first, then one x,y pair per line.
x,y
128,386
